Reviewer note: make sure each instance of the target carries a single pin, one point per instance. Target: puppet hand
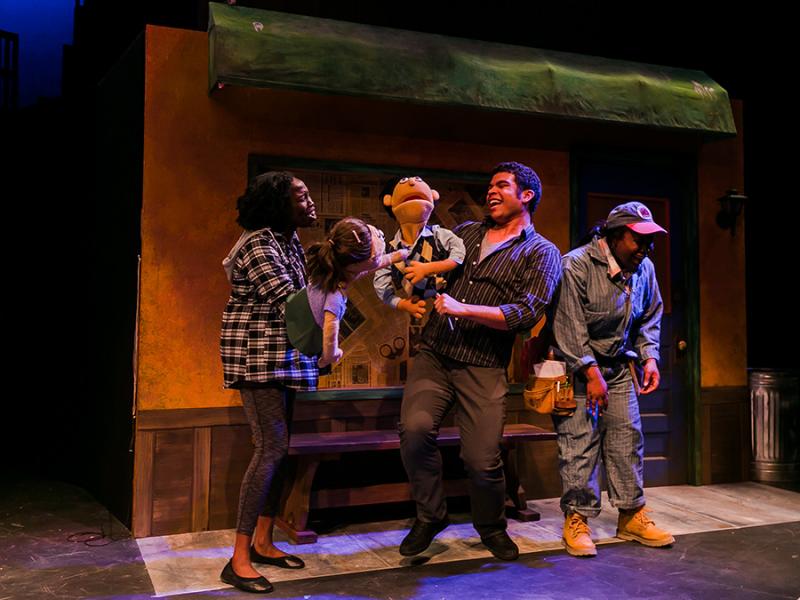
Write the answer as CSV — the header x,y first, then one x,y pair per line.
x,y
398,255
417,271
651,377
331,360
413,305
385,260
337,355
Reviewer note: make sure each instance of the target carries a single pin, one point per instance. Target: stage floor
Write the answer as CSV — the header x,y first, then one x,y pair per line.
x,y
733,541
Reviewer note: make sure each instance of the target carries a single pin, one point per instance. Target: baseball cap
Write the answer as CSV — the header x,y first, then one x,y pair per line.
x,y
635,216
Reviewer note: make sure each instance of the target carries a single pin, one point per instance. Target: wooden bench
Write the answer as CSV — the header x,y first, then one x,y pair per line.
x,y
308,449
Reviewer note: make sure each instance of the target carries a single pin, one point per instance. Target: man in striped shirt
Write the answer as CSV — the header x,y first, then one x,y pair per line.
x,y
503,288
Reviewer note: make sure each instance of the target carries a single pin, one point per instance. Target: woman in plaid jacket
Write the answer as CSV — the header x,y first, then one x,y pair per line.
x,y
265,266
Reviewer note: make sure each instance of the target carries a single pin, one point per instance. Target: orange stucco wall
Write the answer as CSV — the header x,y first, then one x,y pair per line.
x,y
195,165
723,324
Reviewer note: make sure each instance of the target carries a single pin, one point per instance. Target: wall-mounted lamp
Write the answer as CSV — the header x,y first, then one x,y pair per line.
x,y
730,208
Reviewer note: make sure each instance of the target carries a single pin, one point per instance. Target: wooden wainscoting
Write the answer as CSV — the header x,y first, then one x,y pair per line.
x,y
726,434
189,463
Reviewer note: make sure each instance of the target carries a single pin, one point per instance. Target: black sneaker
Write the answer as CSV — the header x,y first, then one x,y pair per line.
x,y
502,546
421,536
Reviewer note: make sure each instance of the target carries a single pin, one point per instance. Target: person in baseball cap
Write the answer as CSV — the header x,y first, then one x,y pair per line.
x,y
628,234
607,329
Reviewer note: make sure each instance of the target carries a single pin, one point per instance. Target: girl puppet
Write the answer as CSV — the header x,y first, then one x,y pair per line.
x,y
353,249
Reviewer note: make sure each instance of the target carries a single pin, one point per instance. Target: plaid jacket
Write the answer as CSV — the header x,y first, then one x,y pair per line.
x,y
253,344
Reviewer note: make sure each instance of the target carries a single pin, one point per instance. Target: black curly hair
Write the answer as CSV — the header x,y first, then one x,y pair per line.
x,y
526,179
601,229
267,202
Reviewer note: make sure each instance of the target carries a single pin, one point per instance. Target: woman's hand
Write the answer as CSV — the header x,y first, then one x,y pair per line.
x,y
651,377
596,391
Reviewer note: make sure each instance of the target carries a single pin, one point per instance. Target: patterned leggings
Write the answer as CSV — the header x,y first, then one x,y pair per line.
x,y
269,412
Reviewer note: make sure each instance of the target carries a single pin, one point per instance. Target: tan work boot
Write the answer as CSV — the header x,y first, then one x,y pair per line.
x,y
577,536
638,527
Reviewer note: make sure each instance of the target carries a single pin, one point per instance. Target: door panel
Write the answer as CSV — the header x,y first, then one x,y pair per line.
x,y
661,183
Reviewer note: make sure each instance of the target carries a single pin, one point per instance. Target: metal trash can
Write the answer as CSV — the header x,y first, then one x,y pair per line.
x,y
775,425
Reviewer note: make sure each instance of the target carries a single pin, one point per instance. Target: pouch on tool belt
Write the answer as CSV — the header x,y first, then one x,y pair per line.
x,y
549,390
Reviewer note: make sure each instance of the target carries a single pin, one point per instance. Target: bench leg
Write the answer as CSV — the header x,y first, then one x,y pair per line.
x,y
516,504
294,516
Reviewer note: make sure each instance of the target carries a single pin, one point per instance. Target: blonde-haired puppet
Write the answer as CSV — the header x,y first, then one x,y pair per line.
x,y
432,250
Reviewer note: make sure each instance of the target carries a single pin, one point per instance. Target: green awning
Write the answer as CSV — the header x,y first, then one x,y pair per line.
x,y
261,48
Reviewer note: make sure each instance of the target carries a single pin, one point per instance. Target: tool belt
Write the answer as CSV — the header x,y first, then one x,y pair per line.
x,y
550,395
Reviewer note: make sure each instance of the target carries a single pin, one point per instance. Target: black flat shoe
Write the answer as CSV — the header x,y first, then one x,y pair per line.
x,y
255,585
421,536
502,546
290,561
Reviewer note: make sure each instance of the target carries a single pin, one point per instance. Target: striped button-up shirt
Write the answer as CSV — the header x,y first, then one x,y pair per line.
x,y
601,317
254,344
519,277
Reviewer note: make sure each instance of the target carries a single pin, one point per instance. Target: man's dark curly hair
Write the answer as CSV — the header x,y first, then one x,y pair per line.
x,y
526,179
267,202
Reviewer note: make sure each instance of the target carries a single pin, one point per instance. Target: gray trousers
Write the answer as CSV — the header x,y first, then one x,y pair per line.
x,y
617,437
269,413
435,385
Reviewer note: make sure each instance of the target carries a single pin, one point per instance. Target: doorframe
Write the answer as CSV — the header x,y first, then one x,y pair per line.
x,y
686,163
